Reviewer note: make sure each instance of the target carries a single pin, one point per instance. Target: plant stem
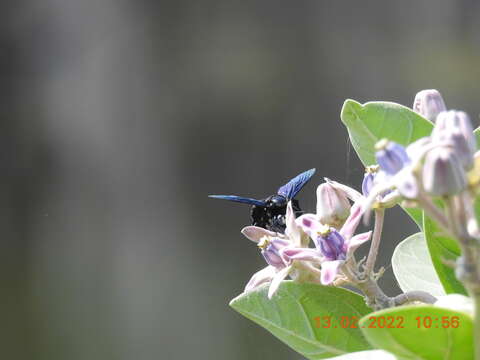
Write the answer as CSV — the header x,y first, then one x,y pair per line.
x,y
376,238
433,211
374,295
468,271
414,296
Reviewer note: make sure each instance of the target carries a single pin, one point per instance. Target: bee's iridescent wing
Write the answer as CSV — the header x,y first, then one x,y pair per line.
x,y
290,189
239,199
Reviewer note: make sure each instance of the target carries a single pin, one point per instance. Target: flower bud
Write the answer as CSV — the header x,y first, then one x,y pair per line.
x,y
429,103
443,173
454,127
391,157
462,150
369,179
333,206
331,244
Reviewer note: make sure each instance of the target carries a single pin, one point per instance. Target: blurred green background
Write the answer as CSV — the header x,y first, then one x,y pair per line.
x,y
119,117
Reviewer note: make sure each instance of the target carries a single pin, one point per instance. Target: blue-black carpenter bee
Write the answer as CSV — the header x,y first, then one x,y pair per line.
x,y
269,213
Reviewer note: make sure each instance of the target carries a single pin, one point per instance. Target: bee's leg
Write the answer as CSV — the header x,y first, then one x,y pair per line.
x,y
277,224
258,217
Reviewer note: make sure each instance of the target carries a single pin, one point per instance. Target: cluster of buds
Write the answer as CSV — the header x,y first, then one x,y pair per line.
x,y
436,166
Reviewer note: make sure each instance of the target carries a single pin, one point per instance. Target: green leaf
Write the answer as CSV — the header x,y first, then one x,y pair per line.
x,y
369,123
476,132
476,208
290,316
373,121
366,355
421,341
443,249
413,267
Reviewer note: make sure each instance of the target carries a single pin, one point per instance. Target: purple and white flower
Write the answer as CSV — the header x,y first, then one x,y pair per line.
x,y
398,172
332,247
274,249
435,164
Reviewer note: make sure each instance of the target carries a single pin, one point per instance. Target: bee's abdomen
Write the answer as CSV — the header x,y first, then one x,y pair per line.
x,y
259,216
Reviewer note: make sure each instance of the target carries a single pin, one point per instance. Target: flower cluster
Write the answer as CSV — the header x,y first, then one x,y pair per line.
x,y
438,166
331,230
438,174
319,247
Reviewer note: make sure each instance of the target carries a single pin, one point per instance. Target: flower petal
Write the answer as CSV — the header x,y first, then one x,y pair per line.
x,y
368,183
255,233
277,243
351,193
379,188
391,199
356,241
309,224
307,254
329,271
293,231
391,156
273,258
406,183
277,280
260,277
348,229
420,148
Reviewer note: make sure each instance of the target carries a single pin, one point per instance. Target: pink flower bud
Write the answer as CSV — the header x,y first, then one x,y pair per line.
x,y
429,103
333,206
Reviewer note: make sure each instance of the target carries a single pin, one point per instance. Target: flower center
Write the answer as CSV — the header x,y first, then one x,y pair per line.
x,y
381,145
264,242
324,230
372,169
